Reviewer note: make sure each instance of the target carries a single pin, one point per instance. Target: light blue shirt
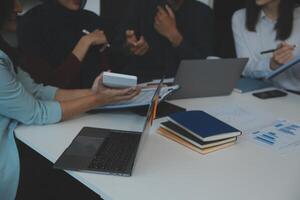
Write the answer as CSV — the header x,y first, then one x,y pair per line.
x,y
21,100
250,44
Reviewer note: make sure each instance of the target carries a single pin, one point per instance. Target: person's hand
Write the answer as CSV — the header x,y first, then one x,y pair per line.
x,y
97,37
165,24
136,46
282,55
108,95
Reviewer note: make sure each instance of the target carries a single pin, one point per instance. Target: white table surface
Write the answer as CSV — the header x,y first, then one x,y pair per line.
x,y
165,170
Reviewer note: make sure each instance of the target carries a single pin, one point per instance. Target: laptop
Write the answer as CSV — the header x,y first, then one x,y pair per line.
x,y
106,151
206,78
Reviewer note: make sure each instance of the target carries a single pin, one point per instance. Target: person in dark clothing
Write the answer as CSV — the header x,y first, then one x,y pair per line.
x,y
54,30
159,34
223,11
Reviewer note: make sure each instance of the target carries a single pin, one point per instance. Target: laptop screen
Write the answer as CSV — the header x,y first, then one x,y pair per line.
x,y
153,106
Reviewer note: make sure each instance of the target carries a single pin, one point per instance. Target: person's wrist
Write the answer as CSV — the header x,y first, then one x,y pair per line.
x,y
273,64
98,99
175,38
87,41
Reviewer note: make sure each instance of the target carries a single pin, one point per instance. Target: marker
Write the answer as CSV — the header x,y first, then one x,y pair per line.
x,y
102,48
272,50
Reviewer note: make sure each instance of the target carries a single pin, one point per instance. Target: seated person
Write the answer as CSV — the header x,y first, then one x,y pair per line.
x,y
24,101
264,25
159,34
53,31
223,11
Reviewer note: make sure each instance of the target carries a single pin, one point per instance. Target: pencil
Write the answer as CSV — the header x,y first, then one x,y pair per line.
x,y
154,109
268,51
272,50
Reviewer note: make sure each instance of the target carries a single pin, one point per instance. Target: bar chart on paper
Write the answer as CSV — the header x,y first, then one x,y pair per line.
x,y
282,136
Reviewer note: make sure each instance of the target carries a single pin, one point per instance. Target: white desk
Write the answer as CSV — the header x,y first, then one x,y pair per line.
x,y
168,171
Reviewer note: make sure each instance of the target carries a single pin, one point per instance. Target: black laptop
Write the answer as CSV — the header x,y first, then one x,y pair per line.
x,y
105,151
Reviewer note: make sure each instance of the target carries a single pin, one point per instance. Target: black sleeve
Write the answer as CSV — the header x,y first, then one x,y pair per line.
x,y
28,35
130,21
200,45
119,54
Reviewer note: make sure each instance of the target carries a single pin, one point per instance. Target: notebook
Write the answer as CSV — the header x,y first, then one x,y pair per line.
x,y
203,126
284,68
179,140
248,85
185,135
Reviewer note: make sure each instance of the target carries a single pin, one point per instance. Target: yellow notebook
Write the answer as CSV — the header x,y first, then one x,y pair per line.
x,y
183,142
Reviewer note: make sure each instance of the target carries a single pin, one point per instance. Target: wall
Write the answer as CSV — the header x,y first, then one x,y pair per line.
x,y
93,5
208,2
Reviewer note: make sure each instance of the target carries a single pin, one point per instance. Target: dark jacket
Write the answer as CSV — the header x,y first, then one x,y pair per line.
x,y
194,21
50,31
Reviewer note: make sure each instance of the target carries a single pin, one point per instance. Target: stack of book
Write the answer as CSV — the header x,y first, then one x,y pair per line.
x,y
199,131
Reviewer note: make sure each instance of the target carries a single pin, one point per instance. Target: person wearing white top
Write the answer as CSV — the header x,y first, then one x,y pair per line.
x,y
265,25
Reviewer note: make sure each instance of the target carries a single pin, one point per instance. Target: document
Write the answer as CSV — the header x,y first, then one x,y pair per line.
x,y
282,136
144,98
242,118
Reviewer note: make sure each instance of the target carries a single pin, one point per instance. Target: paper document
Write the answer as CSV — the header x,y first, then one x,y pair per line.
x,y
282,136
144,98
243,119
156,81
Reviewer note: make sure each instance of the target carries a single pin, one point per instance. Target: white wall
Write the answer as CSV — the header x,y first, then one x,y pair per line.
x,y
208,2
93,5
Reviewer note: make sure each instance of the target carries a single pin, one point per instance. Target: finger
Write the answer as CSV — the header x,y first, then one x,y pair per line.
x,y
157,23
129,33
145,50
126,91
98,80
161,11
283,50
288,59
142,50
285,59
128,97
280,45
282,60
131,38
141,47
285,44
170,12
141,41
284,54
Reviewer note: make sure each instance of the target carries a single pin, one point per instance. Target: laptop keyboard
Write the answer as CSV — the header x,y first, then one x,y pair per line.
x,y
115,153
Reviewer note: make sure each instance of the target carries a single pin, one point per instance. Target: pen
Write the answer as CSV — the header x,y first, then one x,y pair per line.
x,y
102,48
154,109
272,50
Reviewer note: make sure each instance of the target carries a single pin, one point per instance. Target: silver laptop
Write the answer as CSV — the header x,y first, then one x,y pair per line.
x,y
205,78
106,151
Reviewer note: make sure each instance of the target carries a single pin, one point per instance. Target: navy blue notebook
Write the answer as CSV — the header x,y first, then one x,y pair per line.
x,y
204,126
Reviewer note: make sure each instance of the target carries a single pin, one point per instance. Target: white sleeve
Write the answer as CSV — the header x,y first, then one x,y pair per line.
x,y
255,68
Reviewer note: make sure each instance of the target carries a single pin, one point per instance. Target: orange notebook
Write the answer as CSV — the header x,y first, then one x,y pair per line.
x,y
183,142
